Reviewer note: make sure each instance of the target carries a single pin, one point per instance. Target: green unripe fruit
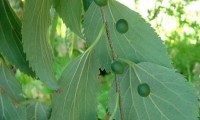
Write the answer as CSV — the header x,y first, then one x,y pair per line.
x,y
122,26
101,3
143,89
117,67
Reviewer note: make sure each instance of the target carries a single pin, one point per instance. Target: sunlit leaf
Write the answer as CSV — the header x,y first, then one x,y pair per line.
x,y
10,38
70,12
35,38
38,111
77,98
171,97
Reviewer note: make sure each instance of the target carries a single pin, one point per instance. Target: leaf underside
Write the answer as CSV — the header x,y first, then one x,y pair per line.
x,y
10,38
77,99
171,97
35,38
139,44
37,111
9,110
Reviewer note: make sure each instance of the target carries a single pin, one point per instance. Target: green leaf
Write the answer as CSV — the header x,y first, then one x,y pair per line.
x,y
86,4
38,111
10,96
171,97
139,44
9,84
35,38
70,11
9,110
77,98
92,25
10,38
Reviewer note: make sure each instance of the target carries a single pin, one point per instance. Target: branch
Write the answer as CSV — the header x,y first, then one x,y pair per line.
x,y
113,58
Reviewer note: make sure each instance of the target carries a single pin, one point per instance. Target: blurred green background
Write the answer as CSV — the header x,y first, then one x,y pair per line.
x,y
177,22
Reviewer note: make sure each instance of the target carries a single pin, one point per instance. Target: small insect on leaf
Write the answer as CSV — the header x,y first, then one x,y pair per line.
x,y
101,3
117,67
122,26
143,89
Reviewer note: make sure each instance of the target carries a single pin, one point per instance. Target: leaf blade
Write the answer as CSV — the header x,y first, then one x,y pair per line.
x,y
10,37
139,40
86,4
8,110
171,98
141,37
92,27
70,12
79,88
37,111
9,84
36,23
10,96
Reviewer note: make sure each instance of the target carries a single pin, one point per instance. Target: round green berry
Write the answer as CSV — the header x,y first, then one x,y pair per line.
x,y
101,3
122,26
117,67
143,89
